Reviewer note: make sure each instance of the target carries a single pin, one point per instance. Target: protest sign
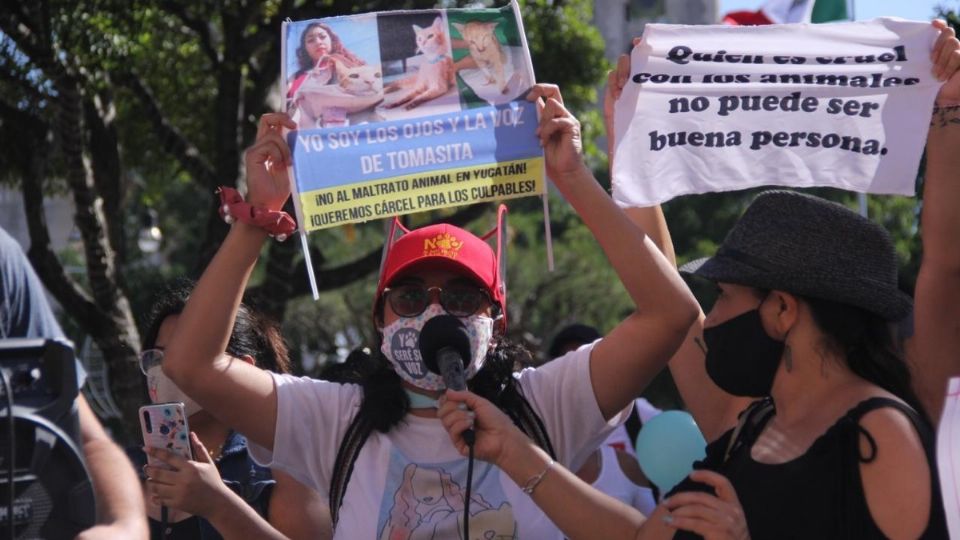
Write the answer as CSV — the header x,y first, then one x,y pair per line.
x,y
720,108
400,112
948,456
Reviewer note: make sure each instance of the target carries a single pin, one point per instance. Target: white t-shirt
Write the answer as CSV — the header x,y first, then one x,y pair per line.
x,y
619,438
410,482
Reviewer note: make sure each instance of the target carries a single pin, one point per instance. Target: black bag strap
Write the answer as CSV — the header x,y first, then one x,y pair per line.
x,y
361,427
751,418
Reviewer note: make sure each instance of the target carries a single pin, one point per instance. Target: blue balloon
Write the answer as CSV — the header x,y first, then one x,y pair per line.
x,y
667,446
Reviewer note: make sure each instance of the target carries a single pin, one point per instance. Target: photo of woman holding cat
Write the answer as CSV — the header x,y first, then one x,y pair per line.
x,y
333,85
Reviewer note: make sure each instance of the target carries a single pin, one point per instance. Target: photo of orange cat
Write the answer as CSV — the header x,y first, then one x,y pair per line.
x,y
489,55
434,77
486,50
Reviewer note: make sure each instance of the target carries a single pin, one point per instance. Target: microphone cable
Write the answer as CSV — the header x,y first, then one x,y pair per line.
x,y
443,345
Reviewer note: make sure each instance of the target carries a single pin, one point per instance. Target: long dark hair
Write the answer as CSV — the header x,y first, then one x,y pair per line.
x,y
386,403
868,343
253,334
305,63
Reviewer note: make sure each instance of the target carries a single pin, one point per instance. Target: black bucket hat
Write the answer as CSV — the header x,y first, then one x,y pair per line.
x,y
808,246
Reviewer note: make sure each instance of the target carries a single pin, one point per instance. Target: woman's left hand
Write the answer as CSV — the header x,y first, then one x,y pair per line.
x,y
559,133
191,486
714,517
945,56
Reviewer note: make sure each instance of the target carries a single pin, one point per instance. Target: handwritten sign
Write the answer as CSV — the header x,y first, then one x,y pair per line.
x,y
721,108
948,456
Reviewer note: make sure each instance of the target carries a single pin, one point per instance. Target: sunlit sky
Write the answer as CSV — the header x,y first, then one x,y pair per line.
x,y
867,9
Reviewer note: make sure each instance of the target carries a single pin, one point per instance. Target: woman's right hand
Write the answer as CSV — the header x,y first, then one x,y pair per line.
x,y
494,431
617,78
714,517
266,162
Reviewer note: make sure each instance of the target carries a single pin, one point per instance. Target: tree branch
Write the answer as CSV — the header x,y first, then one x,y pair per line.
x,y
171,138
99,114
263,37
200,28
67,292
115,332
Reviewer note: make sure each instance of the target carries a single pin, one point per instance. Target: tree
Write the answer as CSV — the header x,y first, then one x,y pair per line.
x,y
149,103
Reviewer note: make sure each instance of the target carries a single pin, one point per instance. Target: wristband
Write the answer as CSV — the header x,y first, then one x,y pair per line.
x,y
277,223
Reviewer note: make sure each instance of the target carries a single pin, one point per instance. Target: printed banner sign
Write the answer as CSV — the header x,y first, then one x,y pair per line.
x,y
406,111
720,108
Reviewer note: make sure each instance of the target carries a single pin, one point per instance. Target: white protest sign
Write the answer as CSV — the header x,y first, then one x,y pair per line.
x,y
948,456
720,108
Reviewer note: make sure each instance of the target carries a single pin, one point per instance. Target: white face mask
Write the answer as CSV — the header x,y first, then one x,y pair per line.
x,y
401,346
162,390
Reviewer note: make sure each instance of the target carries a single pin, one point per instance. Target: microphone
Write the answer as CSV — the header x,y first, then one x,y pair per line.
x,y
444,347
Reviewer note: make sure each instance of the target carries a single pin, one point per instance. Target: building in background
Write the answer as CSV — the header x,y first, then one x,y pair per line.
x,y
619,21
59,214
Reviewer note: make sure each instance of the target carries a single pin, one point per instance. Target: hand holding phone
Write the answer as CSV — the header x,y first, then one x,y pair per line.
x,y
164,425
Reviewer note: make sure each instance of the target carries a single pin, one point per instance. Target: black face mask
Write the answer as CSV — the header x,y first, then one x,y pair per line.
x,y
741,358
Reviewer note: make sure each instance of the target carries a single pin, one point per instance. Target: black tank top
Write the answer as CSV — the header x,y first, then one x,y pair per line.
x,y
818,494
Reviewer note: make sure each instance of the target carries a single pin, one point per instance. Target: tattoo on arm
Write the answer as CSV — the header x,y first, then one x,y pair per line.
x,y
945,116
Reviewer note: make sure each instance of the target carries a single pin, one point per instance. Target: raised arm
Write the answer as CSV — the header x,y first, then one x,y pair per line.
x,y
119,500
933,349
714,410
632,354
236,393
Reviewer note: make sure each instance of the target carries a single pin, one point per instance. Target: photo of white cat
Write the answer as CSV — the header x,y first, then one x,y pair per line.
x,y
418,66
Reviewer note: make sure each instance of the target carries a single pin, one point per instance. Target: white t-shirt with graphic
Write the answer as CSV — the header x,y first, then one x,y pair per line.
x,y
410,483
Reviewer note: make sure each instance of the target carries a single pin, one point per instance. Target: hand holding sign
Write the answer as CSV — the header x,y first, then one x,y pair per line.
x,y
266,163
616,80
722,108
946,58
559,133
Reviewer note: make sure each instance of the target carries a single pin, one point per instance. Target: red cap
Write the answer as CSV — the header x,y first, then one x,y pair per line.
x,y
452,247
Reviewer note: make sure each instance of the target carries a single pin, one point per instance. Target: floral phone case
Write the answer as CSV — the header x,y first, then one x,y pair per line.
x,y
164,425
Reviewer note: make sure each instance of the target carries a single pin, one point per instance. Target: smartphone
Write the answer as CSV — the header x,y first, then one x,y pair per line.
x,y
164,425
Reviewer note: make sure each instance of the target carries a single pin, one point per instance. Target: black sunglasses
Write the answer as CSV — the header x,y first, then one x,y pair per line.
x,y
412,299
